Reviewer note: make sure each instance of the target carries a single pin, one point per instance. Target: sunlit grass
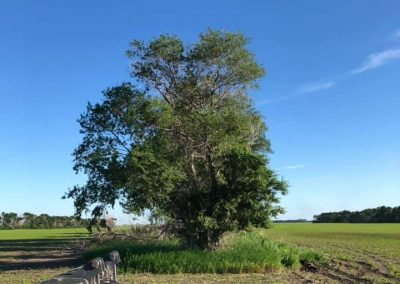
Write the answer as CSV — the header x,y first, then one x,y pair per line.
x,y
37,234
245,252
376,244
348,244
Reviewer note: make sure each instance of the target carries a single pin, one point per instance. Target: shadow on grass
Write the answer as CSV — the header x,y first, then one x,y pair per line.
x,y
45,253
38,244
76,235
136,248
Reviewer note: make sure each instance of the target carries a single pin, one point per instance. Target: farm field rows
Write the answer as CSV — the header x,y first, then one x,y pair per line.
x,y
30,256
360,253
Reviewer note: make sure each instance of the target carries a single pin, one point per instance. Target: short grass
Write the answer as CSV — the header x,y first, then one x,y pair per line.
x,y
17,242
26,256
244,252
39,234
365,252
372,247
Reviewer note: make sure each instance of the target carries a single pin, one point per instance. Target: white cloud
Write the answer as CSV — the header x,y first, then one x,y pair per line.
x,y
375,60
395,35
293,167
316,86
305,89
372,61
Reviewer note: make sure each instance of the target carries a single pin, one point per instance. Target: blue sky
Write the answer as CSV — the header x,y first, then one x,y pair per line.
x,y
331,96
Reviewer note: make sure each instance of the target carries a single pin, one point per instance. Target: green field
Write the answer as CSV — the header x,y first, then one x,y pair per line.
x,y
31,234
359,253
369,250
31,256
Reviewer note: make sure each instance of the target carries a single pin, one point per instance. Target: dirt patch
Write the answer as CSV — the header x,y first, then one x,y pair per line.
x,y
39,254
348,272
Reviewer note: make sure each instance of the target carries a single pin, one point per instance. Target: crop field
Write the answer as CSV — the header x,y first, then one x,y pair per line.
x,y
30,256
357,253
41,234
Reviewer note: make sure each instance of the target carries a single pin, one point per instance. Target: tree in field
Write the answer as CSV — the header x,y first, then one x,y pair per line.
x,y
184,142
9,220
29,220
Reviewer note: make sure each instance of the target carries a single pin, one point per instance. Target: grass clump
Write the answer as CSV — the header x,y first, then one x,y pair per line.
x,y
318,259
244,252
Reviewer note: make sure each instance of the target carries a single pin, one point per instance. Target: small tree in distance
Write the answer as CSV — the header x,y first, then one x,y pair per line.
x,y
184,142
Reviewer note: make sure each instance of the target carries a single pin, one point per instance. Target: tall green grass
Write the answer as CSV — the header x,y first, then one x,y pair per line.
x,y
240,253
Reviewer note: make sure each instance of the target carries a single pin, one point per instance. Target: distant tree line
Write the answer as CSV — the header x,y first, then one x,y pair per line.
x,y
381,214
27,220
291,221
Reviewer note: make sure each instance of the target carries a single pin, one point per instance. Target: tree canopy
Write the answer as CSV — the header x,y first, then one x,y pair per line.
x,y
11,220
381,214
182,141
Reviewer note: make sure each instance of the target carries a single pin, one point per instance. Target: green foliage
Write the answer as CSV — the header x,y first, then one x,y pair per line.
x,y
312,256
189,147
43,221
241,253
381,214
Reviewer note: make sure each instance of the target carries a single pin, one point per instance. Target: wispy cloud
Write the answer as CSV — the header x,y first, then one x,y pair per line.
x,y
372,61
378,59
305,89
293,167
314,87
395,35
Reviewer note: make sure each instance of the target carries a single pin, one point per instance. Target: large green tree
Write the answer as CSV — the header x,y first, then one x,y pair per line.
x,y
183,141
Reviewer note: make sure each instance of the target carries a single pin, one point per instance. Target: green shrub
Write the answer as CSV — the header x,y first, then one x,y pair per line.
x,y
244,252
316,258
